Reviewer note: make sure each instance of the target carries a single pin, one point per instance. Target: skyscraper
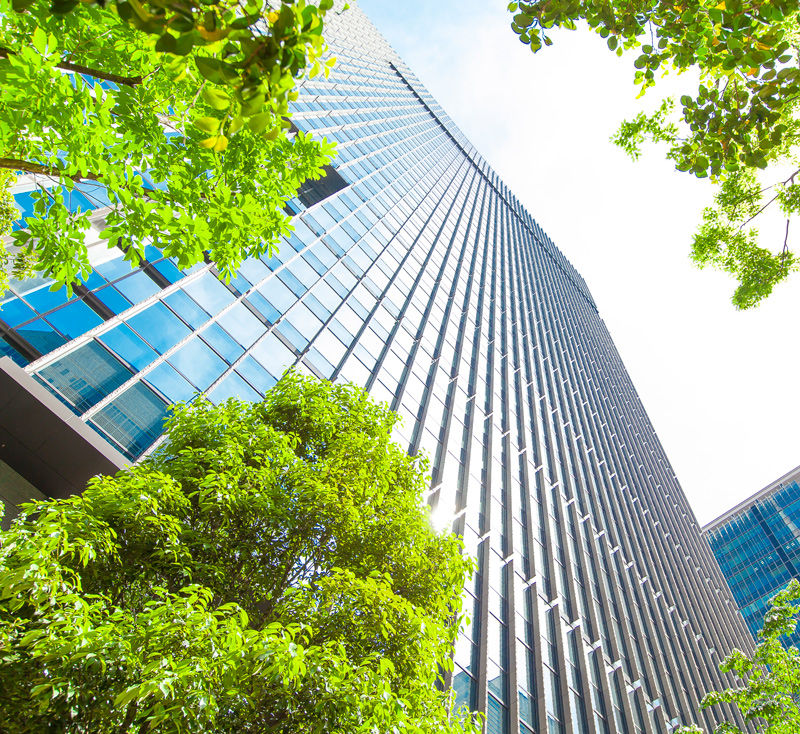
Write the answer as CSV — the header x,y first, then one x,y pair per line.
x,y
414,271
757,545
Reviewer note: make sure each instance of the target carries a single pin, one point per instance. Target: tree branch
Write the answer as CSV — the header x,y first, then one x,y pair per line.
x,y
785,250
16,164
129,81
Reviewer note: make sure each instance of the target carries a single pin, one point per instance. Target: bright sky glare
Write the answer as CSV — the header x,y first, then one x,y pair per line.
x,y
720,386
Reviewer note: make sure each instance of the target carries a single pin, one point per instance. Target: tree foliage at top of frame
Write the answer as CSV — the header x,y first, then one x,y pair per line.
x,y
740,126
270,569
173,111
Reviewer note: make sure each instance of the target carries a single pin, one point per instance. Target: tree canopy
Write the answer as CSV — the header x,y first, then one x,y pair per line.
x,y
769,693
740,126
269,569
173,113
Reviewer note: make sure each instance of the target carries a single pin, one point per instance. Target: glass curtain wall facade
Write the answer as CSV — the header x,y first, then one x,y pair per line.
x,y
757,545
596,607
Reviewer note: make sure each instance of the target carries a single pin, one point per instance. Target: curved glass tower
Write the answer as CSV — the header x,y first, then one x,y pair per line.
x,y
414,271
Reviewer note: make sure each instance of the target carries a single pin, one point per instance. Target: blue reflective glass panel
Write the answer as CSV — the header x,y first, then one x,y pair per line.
x,y
242,325
41,335
134,419
277,294
74,319
127,345
137,287
186,308
14,311
209,293
198,363
43,299
233,386
222,342
169,384
264,307
85,376
255,374
112,298
161,328
169,271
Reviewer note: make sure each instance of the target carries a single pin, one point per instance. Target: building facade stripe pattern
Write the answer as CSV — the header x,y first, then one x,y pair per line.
x,y
596,606
757,545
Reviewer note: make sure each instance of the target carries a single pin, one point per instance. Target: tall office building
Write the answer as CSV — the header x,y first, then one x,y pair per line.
x,y
757,545
414,271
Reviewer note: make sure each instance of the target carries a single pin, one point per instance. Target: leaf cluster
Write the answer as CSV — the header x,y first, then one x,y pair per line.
x,y
742,117
271,569
186,139
768,695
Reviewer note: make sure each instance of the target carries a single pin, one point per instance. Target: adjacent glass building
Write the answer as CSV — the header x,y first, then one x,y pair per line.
x,y
412,270
757,545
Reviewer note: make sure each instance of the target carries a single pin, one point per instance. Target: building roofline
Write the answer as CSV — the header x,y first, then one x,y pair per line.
x,y
750,501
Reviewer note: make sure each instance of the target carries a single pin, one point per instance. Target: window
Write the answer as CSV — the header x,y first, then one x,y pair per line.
x,y
85,376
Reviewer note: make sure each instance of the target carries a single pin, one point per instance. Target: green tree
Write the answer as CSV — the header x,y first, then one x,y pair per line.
x,y
270,569
769,693
740,126
174,112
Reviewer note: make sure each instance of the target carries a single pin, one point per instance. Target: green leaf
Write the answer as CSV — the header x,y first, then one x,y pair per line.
x,y
259,122
218,98
215,70
167,44
207,124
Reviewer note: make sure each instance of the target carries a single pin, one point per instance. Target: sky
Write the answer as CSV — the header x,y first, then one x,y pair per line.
x,y
719,385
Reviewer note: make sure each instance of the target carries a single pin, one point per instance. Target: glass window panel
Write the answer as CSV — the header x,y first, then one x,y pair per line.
x,y
242,325
41,335
222,342
336,285
15,311
254,270
316,307
294,285
323,254
94,281
74,319
198,363
240,283
298,341
159,327
169,271
255,374
304,321
134,419
85,376
233,386
113,269
209,293
326,295
186,308
301,270
278,295
127,345
273,354
6,350
322,365
112,298
137,287
169,384
43,299
264,307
